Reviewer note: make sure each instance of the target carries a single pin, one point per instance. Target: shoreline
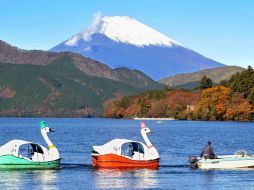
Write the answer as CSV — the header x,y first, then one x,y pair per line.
x,y
154,118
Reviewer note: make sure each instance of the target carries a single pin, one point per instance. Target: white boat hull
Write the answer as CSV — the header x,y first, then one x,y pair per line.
x,y
227,162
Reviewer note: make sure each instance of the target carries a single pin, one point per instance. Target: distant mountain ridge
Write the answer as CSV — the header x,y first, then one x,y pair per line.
x,y
191,79
125,42
13,55
45,84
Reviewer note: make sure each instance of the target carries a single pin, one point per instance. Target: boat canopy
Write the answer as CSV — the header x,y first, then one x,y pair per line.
x,y
129,148
12,147
115,146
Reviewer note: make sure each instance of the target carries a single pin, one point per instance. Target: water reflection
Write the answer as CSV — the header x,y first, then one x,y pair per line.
x,y
138,178
209,179
20,179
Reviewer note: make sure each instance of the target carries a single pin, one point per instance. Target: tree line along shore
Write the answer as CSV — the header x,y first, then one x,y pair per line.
x,y
231,100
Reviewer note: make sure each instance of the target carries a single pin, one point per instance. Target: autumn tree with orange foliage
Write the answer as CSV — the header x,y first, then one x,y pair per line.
x,y
158,104
112,111
239,109
212,104
234,102
217,103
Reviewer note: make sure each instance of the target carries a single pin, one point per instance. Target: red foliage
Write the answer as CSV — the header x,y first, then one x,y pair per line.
x,y
216,103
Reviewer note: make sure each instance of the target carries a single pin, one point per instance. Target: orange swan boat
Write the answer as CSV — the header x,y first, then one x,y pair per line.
x,y
124,153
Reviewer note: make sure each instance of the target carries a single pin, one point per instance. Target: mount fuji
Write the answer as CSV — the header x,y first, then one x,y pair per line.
x,y
121,41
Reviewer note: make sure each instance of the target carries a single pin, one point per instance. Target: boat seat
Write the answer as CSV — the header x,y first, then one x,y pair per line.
x,y
38,157
138,156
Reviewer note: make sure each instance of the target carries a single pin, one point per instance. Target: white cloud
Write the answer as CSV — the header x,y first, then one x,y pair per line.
x,y
73,40
87,49
93,28
86,34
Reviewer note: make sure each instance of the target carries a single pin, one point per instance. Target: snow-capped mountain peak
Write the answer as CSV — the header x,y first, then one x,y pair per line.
x,y
128,30
121,41
125,30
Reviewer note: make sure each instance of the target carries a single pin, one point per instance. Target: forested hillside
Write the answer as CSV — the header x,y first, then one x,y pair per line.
x,y
38,83
230,100
58,89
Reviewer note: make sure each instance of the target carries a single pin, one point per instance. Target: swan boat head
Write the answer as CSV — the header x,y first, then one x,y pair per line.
x,y
153,153
52,150
144,128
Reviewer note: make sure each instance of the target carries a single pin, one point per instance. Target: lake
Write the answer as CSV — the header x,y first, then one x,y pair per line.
x,y
174,140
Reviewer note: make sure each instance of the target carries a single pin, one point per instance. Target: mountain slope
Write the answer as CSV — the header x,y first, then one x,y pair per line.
x,y
217,75
57,89
13,55
46,84
136,78
125,42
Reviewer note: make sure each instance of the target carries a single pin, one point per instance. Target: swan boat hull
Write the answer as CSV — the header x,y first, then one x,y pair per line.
x,y
115,161
226,162
13,162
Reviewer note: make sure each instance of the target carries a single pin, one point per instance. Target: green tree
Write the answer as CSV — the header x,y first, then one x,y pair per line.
x,y
143,109
168,88
250,97
224,83
242,82
125,102
205,82
250,68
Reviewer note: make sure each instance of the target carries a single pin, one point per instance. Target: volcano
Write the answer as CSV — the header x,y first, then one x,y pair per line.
x,y
121,41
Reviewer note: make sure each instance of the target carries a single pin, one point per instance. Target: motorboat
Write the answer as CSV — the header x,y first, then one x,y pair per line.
x,y
124,153
241,159
20,154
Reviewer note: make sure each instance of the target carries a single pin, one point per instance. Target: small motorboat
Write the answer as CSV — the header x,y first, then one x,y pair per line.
x,y
241,159
124,153
19,154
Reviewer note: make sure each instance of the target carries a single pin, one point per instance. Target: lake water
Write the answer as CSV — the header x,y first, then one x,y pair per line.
x,y
174,140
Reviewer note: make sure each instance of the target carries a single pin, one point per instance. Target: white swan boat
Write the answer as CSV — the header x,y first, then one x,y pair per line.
x,y
241,159
19,154
124,153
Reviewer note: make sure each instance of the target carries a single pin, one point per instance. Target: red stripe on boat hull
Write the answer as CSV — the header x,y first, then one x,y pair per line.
x,y
115,161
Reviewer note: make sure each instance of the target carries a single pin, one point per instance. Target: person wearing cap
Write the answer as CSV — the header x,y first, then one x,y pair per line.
x,y
208,152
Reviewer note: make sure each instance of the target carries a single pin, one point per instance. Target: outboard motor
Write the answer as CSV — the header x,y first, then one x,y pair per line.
x,y
193,161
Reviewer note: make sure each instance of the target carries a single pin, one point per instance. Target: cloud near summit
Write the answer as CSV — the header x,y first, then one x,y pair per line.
x,y
87,32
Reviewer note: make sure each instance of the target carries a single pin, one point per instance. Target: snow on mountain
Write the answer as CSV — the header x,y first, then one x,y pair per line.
x,y
121,41
124,29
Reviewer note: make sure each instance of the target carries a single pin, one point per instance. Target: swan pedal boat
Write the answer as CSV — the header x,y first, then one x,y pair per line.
x,y
116,153
238,160
20,154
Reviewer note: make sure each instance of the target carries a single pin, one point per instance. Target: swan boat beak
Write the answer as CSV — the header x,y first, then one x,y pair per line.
x,y
51,130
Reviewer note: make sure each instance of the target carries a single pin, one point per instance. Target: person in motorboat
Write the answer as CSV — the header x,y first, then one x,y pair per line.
x,y
208,152
208,160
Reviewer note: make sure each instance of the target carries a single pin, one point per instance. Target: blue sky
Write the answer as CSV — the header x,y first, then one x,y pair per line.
x,y
222,30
